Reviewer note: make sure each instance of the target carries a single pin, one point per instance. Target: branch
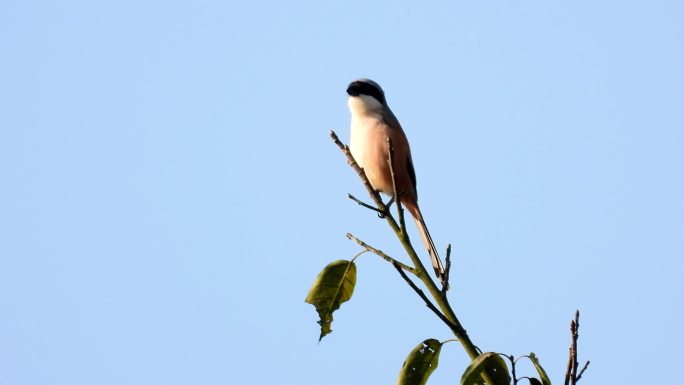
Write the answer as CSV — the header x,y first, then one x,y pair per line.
x,y
586,365
381,213
362,174
400,231
513,362
571,374
568,369
448,314
447,270
381,254
455,328
400,210
575,335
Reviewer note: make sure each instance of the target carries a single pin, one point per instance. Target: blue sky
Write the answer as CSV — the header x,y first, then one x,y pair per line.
x,y
169,190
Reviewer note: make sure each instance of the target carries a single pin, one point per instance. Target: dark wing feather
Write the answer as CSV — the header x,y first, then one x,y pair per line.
x,y
412,174
392,122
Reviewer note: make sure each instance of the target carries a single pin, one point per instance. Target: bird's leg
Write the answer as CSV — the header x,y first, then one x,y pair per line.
x,y
389,203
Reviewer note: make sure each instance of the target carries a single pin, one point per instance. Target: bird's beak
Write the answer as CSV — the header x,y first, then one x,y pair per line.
x,y
353,89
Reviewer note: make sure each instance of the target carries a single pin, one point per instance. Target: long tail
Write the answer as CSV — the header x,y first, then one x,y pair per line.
x,y
427,241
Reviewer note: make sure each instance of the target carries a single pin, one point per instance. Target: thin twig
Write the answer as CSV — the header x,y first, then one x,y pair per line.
x,y
455,328
449,340
447,270
575,336
362,174
586,365
366,205
513,361
359,253
381,254
572,359
400,210
572,376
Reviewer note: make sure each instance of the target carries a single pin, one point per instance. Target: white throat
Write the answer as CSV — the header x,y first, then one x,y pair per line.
x,y
365,106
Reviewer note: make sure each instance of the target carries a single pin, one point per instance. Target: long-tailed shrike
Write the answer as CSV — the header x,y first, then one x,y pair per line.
x,y
372,122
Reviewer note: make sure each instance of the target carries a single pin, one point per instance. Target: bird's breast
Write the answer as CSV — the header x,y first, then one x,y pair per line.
x,y
368,145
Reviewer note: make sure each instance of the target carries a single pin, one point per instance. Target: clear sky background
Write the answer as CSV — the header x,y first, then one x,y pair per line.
x,y
169,191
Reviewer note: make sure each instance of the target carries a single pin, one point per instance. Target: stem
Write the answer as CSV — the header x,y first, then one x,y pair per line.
x,y
447,270
586,365
359,253
366,205
422,274
575,336
513,362
380,253
572,376
427,301
400,210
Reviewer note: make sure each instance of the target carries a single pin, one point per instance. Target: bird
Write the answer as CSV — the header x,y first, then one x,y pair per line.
x,y
372,124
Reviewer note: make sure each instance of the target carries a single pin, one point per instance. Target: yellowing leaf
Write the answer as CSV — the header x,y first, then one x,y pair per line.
x,y
542,373
420,363
333,286
490,362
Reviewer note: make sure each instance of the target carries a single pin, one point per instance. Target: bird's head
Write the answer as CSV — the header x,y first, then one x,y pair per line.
x,y
366,95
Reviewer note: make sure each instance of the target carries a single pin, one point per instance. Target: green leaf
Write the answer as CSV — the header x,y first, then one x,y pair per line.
x,y
534,381
542,373
490,362
333,286
420,363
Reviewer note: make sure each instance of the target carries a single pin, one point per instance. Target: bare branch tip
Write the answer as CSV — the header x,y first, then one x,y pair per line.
x,y
586,365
